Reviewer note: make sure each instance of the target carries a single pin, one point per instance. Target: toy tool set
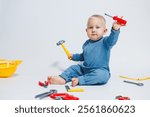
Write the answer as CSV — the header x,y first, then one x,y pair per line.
x,y
8,67
56,96
119,20
135,79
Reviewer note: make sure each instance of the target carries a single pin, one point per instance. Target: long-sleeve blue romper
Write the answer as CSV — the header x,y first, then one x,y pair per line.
x,y
95,57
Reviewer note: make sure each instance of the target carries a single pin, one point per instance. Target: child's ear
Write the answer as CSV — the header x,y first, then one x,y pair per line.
x,y
86,29
105,31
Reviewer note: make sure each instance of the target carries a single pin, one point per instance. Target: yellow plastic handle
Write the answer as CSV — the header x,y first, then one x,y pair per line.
x,y
66,50
76,90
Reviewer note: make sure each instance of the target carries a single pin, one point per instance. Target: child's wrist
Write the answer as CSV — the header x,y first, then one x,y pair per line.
x,y
115,29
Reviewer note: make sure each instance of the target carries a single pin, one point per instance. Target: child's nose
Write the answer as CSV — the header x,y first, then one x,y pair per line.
x,y
94,29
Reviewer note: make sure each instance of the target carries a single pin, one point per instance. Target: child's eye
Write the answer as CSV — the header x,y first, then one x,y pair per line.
x,y
98,27
90,27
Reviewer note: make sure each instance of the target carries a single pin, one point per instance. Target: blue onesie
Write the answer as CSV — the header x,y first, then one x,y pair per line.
x,y
95,57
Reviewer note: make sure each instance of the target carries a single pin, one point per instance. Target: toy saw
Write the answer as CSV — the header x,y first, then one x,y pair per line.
x,y
137,79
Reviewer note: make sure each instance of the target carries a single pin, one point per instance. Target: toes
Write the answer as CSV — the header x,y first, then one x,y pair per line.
x,y
73,83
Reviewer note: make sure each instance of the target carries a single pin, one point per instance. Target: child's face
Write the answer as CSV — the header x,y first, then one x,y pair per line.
x,y
95,28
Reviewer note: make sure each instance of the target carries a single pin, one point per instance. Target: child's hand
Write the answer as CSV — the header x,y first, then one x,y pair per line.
x,y
75,81
116,25
70,57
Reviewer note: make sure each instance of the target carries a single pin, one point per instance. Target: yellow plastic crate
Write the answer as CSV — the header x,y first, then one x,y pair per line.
x,y
8,67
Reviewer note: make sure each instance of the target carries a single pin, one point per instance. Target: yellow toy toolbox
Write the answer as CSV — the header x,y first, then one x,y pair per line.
x,y
8,67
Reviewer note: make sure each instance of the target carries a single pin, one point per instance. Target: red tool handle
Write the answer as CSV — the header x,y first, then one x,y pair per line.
x,y
54,95
120,20
64,96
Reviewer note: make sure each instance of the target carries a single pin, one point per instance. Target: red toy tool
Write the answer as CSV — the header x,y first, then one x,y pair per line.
x,y
63,96
122,98
45,84
119,20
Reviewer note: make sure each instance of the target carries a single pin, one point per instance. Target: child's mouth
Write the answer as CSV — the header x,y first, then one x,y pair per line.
x,y
94,34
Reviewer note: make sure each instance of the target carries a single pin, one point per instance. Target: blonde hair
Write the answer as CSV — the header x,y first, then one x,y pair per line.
x,y
100,17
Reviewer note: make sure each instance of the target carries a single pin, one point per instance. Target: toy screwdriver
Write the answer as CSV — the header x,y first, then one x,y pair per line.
x,y
119,20
73,89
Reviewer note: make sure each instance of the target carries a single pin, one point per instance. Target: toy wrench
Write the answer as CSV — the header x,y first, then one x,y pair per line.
x,y
46,94
138,84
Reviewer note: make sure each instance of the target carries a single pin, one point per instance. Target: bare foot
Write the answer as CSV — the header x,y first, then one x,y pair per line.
x,y
75,81
55,80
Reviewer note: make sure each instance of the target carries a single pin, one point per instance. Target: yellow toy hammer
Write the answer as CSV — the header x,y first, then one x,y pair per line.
x,y
61,42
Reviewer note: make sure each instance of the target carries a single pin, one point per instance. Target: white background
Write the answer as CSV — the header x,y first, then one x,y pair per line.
x,y
30,29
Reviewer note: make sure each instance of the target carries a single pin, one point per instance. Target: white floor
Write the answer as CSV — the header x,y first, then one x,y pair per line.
x,y
25,87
